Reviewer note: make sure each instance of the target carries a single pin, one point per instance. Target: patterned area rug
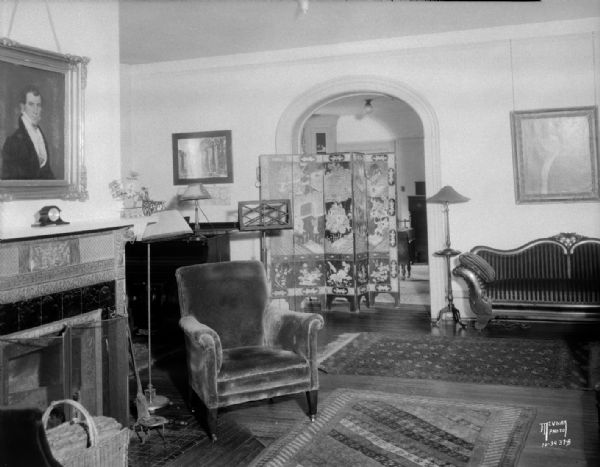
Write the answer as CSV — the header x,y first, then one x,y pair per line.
x,y
335,345
366,428
521,362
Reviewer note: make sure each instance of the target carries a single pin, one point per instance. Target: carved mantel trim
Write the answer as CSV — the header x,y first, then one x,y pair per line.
x,y
60,261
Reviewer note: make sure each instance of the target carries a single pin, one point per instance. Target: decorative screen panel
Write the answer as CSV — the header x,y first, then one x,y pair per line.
x,y
383,248
343,205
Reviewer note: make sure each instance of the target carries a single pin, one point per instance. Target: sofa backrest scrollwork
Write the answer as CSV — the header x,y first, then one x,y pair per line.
x,y
562,269
562,256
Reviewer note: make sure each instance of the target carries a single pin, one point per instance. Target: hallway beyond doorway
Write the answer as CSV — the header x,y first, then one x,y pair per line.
x,y
414,290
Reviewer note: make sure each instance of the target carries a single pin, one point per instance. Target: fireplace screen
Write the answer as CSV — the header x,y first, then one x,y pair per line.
x,y
88,363
34,371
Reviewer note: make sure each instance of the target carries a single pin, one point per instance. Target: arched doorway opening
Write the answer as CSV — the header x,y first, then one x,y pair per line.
x,y
295,116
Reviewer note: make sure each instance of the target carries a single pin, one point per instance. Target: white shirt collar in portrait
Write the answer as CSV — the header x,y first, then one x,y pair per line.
x,y
37,138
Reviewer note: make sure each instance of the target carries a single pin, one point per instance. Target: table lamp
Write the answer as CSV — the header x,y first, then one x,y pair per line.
x,y
446,196
195,193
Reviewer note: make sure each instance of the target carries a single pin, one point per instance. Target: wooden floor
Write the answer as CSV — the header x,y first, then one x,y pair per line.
x,y
262,422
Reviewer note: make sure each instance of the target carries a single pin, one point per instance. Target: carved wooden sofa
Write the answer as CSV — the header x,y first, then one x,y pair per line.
x,y
555,278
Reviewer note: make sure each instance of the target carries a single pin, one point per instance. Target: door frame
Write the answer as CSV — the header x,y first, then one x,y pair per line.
x,y
289,134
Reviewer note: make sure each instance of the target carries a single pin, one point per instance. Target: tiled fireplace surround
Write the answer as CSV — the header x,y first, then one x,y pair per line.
x,y
63,278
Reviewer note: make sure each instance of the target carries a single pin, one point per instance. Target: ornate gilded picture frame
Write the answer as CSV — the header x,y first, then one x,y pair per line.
x,y
555,155
202,157
54,83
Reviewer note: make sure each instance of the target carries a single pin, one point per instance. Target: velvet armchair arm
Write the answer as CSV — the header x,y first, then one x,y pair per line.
x,y
204,357
295,331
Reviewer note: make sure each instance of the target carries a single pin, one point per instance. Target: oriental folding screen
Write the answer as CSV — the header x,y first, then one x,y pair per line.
x,y
343,242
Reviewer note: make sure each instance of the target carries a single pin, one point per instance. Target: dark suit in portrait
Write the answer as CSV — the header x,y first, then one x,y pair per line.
x,y
20,159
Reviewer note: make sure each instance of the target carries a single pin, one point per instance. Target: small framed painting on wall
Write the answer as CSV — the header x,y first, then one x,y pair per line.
x,y
555,155
202,157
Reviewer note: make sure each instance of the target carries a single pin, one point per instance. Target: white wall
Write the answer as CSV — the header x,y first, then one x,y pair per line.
x,y
411,169
88,29
472,81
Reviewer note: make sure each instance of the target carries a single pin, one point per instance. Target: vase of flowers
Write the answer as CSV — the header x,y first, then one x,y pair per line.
x,y
136,200
129,193
129,203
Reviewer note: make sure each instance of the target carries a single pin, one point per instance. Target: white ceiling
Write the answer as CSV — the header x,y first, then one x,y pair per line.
x,y
164,30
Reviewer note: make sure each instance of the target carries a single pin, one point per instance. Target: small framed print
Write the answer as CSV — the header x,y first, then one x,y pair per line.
x,y
202,157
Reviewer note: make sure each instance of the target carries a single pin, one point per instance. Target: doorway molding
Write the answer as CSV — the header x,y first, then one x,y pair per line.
x,y
288,141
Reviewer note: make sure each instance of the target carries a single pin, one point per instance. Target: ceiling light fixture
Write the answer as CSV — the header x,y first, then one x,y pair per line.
x,y
303,5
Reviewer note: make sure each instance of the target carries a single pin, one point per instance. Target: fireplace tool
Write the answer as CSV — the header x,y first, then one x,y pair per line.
x,y
144,421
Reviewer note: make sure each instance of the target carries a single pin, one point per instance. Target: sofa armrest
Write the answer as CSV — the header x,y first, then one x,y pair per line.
x,y
204,357
481,303
292,330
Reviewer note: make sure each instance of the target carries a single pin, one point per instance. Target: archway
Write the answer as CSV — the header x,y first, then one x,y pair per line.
x,y
288,135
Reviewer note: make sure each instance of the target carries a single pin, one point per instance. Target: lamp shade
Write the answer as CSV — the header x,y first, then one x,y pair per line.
x,y
194,192
447,195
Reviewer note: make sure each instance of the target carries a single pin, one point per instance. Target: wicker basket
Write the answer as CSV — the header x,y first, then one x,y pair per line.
x,y
92,442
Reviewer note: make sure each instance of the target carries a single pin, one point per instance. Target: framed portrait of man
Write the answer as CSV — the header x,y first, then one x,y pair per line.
x,y
41,123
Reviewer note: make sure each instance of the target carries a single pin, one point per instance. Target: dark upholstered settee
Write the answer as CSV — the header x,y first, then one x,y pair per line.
x,y
555,278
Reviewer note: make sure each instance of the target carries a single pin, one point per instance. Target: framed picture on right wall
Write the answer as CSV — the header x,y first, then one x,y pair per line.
x,y
555,154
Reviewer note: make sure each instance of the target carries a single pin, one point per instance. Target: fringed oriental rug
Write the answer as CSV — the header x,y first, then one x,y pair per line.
x,y
367,428
549,363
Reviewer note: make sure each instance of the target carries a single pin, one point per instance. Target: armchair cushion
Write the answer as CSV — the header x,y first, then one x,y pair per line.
x,y
478,265
259,369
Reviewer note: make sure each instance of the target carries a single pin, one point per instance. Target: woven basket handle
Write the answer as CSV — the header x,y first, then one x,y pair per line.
x,y
92,429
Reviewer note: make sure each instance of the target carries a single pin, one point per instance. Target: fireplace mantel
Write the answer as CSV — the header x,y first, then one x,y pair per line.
x,y
55,261
80,227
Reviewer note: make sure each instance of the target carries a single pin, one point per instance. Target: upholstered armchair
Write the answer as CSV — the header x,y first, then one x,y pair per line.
x,y
240,346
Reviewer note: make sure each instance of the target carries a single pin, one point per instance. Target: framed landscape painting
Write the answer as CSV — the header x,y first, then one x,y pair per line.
x,y
41,123
555,155
202,157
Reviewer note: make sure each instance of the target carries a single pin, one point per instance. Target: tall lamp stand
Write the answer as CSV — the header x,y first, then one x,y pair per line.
x,y
448,253
154,400
447,195
170,225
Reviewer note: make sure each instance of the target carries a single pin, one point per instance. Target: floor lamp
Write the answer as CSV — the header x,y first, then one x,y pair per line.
x,y
169,226
446,196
